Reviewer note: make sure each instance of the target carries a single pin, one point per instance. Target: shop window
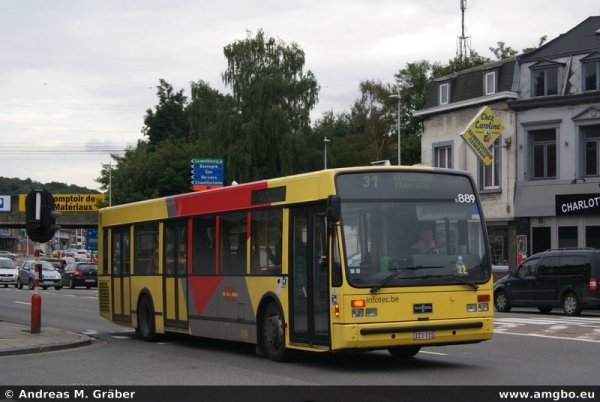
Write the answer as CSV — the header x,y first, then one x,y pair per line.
x,y
592,236
567,236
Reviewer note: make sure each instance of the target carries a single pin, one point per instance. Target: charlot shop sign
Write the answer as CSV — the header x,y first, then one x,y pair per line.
x,y
577,204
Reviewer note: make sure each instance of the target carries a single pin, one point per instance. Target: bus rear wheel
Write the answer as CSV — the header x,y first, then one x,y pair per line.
x,y
273,334
146,324
404,351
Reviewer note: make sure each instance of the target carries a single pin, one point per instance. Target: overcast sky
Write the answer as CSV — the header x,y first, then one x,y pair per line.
x,y
76,77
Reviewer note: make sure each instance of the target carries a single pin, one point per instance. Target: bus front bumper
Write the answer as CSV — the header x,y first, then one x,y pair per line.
x,y
385,335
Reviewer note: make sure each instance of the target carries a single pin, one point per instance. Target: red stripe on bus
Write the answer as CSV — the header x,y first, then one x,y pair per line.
x,y
220,200
203,289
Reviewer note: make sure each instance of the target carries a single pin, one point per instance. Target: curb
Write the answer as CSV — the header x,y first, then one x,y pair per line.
x,y
83,340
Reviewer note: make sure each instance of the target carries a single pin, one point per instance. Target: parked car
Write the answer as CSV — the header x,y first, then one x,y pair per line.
x,y
80,274
50,276
7,254
8,272
566,278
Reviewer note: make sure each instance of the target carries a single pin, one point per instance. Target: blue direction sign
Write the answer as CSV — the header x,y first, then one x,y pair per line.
x,y
207,172
91,241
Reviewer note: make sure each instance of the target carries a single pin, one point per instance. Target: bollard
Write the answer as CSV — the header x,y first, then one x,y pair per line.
x,y
36,313
36,299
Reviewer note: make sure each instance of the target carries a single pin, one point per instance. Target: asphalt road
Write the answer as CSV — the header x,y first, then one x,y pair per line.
x,y
528,348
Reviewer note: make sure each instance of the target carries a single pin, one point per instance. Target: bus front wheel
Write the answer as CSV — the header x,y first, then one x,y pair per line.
x,y
146,324
273,334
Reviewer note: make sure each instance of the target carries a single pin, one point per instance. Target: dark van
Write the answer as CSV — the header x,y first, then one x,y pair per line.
x,y
564,278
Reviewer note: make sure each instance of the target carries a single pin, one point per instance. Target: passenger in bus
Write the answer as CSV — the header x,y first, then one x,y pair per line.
x,y
426,243
153,262
275,257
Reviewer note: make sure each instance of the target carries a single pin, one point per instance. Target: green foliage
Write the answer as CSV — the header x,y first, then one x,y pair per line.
x,y
150,171
169,121
16,186
503,51
459,64
262,129
273,97
540,43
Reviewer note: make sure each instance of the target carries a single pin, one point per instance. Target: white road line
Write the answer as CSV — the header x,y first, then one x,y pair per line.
x,y
20,302
552,337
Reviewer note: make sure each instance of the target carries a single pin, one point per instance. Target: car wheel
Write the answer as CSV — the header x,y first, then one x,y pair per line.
x,y
404,351
501,302
5,286
44,287
31,284
146,323
19,284
71,283
274,334
571,304
58,287
545,310
87,287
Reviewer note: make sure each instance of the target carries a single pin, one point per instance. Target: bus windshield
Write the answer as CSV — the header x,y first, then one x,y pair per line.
x,y
412,229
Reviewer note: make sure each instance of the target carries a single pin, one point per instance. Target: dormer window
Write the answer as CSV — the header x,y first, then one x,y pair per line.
x,y
545,78
444,94
591,72
490,82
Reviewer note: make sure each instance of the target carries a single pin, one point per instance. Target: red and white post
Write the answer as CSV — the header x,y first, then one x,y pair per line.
x,y
36,299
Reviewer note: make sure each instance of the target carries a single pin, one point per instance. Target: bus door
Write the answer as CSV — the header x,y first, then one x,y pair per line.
x,y
175,274
120,274
309,309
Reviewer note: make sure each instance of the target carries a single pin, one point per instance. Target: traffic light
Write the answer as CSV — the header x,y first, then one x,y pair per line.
x,y
40,216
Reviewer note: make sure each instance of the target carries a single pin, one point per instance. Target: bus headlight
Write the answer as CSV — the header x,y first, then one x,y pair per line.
x,y
357,312
371,312
471,308
484,307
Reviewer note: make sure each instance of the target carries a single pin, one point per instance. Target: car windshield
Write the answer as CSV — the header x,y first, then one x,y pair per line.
x,y
46,266
7,263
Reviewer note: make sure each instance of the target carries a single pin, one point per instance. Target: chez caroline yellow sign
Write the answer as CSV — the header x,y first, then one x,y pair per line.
x,y
481,132
70,202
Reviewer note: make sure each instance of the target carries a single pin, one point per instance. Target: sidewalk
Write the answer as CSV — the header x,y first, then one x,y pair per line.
x,y
16,339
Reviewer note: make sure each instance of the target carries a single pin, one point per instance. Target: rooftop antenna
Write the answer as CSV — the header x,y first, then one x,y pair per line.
x,y
464,42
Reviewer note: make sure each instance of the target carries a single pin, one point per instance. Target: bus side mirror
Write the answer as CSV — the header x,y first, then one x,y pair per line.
x,y
334,207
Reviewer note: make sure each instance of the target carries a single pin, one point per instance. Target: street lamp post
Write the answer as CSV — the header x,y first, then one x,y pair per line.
x,y
325,141
398,97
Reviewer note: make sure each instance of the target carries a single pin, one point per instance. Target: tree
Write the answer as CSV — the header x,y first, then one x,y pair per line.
x,y
540,43
273,97
502,51
169,120
150,171
373,117
414,82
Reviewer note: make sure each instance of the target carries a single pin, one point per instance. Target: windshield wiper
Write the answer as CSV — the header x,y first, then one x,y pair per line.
x,y
451,278
392,276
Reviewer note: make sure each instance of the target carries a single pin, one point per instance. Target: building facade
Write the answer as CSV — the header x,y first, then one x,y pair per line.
x,y
543,189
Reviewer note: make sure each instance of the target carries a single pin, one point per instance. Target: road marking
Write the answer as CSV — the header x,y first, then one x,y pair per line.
x,y
434,353
20,302
552,337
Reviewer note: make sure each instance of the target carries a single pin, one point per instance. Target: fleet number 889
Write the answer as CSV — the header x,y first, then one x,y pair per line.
x,y
465,198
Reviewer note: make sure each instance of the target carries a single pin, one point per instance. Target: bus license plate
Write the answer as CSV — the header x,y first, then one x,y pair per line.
x,y
424,335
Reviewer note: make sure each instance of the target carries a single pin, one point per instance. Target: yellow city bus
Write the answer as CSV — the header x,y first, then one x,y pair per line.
x,y
323,261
